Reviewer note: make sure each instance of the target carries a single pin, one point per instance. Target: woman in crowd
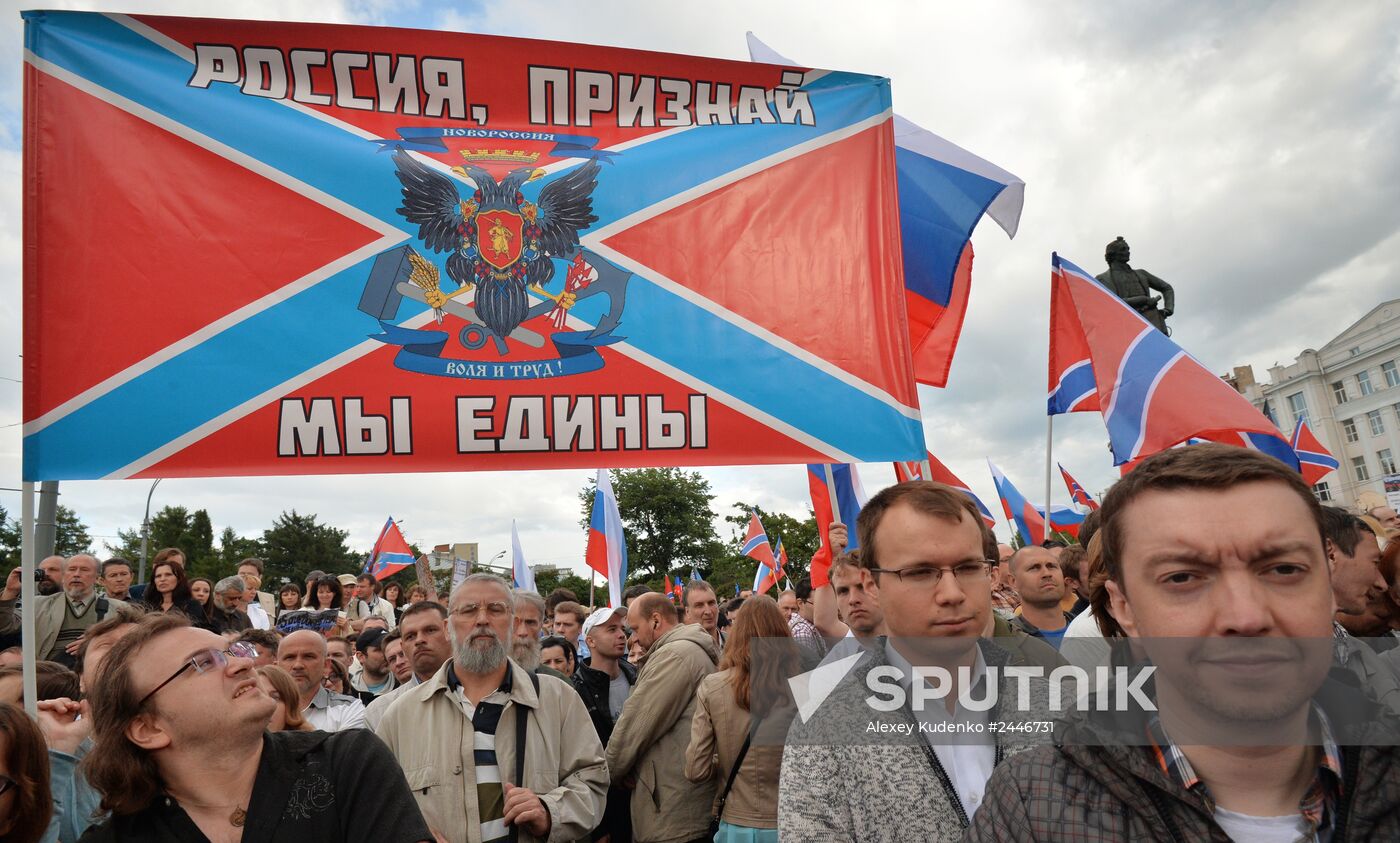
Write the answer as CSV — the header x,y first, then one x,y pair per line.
x,y
26,802
558,654
417,594
337,679
288,599
200,589
749,691
279,684
169,591
393,592
327,594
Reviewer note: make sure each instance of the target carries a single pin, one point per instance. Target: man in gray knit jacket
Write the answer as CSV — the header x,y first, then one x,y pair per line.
x,y
881,759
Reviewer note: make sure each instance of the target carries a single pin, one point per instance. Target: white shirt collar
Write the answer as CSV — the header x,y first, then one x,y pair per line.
x,y
906,670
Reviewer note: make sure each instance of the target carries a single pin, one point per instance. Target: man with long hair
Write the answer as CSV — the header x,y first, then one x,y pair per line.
x,y
497,726
181,751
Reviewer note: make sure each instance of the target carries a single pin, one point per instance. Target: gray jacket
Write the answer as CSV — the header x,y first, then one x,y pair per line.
x,y
848,775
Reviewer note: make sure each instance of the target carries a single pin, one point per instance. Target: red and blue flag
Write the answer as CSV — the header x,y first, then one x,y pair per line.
x,y
391,553
1152,394
757,548
636,273
1314,460
1076,491
1028,519
940,473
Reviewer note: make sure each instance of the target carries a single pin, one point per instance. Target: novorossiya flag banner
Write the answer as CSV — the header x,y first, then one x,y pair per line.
x,y
311,249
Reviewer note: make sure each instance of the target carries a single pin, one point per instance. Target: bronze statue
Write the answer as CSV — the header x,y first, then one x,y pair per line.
x,y
1134,286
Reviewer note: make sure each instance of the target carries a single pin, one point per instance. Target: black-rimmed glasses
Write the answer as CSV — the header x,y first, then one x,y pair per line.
x,y
206,660
966,573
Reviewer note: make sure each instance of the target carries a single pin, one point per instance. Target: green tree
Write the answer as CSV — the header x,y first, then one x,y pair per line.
x,y
72,534
175,526
667,520
800,540
297,544
234,548
547,581
9,541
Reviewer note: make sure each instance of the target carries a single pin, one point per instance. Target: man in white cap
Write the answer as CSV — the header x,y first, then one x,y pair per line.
x,y
604,684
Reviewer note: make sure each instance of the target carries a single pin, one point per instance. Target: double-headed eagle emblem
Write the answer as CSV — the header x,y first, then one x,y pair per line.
x,y
500,245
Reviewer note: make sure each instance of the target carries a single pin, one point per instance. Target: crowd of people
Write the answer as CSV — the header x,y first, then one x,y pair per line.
x,y
345,709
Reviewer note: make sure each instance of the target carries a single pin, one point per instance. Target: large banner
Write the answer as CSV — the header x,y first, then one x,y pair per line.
x,y
263,248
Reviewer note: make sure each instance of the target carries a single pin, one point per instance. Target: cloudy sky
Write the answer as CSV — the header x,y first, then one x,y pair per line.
x,y
1248,151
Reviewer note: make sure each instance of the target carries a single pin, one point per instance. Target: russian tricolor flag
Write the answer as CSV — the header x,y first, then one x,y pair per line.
x,y
850,497
607,548
391,553
943,191
940,473
1315,461
1024,518
523,576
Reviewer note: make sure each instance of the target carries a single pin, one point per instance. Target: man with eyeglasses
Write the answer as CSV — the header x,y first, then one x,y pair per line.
x,y
918,763
181,752
472,737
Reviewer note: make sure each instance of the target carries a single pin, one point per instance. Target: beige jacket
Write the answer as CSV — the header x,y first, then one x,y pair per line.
x,y
717,734
649,740
431,737
48,618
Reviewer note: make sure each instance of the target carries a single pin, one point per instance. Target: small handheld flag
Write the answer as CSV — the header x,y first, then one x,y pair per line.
x,y
1315,461
756,547
848,496
391,553
1076,491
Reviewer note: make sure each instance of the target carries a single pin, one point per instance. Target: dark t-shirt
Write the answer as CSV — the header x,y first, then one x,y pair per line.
x,y
305,781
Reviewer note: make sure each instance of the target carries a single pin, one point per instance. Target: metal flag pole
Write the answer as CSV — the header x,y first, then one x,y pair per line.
x,y
1049,464
831,492
26,595
592,580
